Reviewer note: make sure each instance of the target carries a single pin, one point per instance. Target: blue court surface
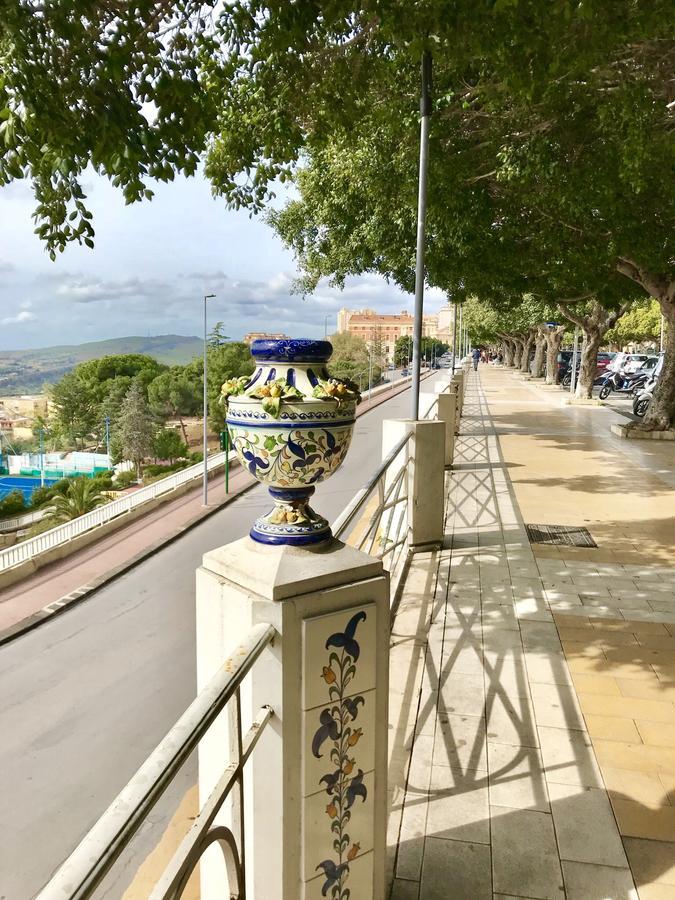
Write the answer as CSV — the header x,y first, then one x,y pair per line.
x,y
23,483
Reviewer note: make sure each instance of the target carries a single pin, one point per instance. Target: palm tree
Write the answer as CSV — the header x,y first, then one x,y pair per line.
x,y
82,497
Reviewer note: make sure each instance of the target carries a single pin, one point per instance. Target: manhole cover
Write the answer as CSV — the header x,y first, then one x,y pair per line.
x,y
571,535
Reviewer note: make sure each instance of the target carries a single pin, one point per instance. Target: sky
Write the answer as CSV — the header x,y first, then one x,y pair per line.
x,y
151,266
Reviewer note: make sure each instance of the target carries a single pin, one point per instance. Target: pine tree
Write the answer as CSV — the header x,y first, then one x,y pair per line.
x,y
135,426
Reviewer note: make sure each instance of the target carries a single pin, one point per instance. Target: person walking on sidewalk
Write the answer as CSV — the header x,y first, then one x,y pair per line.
x,y
476,358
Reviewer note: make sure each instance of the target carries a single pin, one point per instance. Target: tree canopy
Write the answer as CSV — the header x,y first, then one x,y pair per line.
x,y
550,143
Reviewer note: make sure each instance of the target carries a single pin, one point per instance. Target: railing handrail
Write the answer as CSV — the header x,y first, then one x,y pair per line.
x,y
60,534
18,521
359,499
95,855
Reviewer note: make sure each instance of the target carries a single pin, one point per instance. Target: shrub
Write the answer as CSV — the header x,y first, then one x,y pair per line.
x,y
168,444
103,480
196,456
13,504
124,480
40,496
157,469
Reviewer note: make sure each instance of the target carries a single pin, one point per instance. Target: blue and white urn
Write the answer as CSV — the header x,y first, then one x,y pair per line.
x,y
291,425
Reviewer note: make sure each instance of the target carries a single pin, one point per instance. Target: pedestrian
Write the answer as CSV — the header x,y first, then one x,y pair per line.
x,y
476,358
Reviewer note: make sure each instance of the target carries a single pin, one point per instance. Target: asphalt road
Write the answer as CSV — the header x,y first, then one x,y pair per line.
x,y
85,697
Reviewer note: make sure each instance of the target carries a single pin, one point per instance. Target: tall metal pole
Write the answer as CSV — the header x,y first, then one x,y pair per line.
x,y
107,437
454,340
461,335
42,457
205,493
370,370
425,113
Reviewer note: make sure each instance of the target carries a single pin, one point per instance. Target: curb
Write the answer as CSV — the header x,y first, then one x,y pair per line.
x,y
56,607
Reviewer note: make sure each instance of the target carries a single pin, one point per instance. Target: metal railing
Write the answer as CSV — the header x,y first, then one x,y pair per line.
x,y
93,858
381,508
385,530
61,534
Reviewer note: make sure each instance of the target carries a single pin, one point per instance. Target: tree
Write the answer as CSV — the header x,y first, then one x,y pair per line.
x,y
351,359
595,321
641,323
228,360
217,336
135,427
95,389
175,393
83,495
550,141
166,444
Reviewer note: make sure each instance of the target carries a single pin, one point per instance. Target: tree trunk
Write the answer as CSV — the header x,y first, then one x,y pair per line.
x,y
539,351
553,342
509,347
518,352
184,430
589,361
660,414
527,349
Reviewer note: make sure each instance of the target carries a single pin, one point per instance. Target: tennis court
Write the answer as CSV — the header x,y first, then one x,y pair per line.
x,y
23,483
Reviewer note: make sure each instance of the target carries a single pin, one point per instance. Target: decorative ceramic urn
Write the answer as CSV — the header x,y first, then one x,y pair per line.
x,y
291,426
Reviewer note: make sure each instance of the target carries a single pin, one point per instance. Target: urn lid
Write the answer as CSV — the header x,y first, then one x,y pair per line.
x,y
291,350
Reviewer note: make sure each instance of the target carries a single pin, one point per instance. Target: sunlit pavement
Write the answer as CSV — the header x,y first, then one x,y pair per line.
x,y
535,685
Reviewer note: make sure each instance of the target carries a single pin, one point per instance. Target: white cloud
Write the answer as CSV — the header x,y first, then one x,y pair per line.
x,y
19,318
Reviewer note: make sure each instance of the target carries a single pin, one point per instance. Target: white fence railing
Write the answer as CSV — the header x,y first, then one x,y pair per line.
x,y
21,521
61,534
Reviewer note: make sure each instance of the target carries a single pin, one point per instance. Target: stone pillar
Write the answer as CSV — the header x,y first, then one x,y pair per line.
x,y
460,382
324,752
447,410
426,477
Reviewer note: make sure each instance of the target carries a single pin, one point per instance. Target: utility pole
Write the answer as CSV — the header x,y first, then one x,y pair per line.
x,y
107,437
425,114
42,457
454,339
205,494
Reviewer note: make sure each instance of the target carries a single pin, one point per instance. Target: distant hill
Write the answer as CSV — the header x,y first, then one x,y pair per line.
x,y
26,371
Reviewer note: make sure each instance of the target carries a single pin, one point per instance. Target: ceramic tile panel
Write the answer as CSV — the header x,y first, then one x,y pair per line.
x,y
337,634
325,828
358,881
338,757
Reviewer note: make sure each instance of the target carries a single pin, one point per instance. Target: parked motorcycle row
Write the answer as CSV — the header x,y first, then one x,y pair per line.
x,y
632,374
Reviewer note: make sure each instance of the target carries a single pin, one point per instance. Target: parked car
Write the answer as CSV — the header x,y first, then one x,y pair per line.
x,y
604,362
404,373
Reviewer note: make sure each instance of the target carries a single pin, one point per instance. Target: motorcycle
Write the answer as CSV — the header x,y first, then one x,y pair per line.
x,y
622,383
645,395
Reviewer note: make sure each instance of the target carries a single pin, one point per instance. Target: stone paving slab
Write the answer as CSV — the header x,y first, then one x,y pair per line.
x,y
536,754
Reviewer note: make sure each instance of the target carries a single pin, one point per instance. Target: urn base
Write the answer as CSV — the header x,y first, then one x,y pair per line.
x,y
292,520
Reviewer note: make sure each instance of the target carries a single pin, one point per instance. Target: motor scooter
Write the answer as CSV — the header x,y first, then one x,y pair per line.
x,y
644,396
622,383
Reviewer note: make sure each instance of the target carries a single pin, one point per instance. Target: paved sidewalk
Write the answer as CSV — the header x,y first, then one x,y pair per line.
x,y
535,685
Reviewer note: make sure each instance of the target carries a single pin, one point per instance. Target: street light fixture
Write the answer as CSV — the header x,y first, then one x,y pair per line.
x,y
205,495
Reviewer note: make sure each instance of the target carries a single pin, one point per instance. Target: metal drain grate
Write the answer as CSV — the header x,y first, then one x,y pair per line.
x,y
570,535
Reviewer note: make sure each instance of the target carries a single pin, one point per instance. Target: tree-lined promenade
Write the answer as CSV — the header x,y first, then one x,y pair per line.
x,y
550,151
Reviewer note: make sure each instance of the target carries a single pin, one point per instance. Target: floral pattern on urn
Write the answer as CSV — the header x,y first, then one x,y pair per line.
x,y
339,754
291,425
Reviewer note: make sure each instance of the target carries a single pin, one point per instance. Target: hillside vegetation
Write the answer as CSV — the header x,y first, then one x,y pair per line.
x,y
27,371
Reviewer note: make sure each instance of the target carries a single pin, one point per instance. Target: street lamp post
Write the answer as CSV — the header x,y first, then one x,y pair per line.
x,y
107,437
325,325
205,495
